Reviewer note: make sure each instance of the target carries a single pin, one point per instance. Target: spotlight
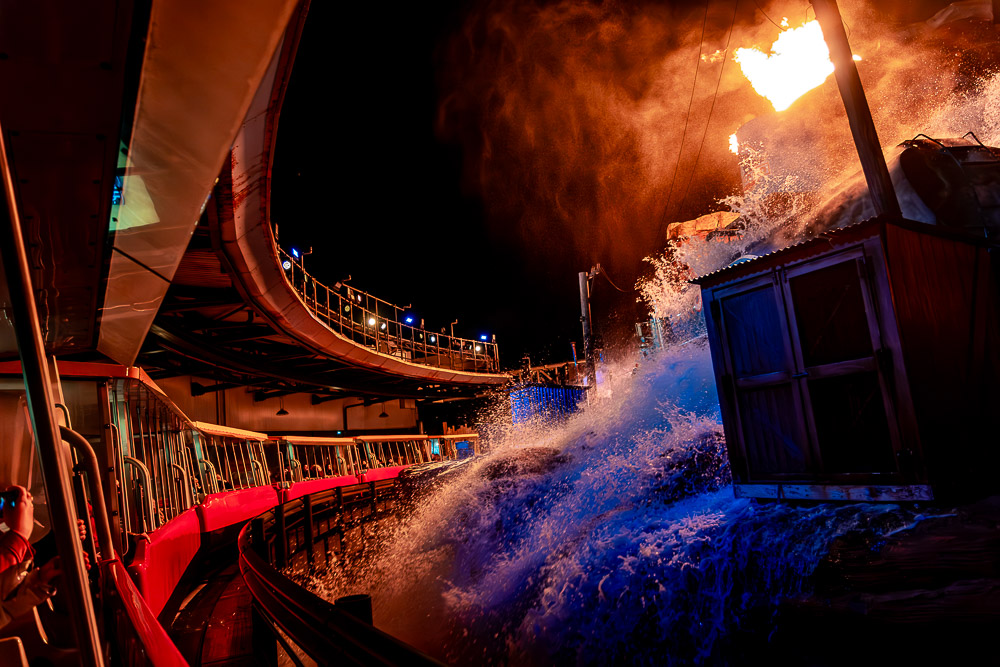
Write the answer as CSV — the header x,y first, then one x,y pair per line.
x,y
295,253
433,338
483,336
347,309
479,348
286,265
382,327
409,319
371,321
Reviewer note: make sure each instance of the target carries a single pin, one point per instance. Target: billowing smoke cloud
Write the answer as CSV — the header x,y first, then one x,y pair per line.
x,y
572,115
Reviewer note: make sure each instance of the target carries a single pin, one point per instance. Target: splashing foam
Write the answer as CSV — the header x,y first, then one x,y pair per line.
x,y
613,536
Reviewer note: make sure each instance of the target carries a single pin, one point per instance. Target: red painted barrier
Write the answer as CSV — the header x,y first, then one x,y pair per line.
x,y
304,488
161,559
381,473
220,510
134,628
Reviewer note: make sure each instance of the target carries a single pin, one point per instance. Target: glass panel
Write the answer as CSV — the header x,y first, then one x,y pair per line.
x,y
831,317
851,424
771,431
753,332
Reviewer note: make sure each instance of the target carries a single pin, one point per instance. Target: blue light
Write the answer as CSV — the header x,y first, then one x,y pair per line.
x,y
483,337
295,253
409,319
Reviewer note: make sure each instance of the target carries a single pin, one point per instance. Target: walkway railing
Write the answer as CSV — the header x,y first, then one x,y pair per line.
x,y
304,534
378,324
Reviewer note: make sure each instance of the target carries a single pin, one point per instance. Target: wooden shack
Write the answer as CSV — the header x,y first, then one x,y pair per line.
x,y
861,364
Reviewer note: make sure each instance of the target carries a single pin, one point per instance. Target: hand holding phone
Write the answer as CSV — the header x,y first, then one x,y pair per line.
x,y
8,498
18,510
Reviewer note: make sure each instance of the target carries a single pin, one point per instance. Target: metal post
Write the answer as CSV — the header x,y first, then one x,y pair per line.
x,y
48,443
280,538
258,538
858,114
588,345
309,527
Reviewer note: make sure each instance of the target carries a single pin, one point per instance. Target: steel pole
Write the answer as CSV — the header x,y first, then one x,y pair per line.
x,y
588,346
858,114
52,454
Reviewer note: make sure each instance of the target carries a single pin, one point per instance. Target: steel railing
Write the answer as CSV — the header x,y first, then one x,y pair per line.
x,y
305,534
378,324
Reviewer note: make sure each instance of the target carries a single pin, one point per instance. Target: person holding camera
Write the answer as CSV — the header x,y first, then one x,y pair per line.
x,y
22,587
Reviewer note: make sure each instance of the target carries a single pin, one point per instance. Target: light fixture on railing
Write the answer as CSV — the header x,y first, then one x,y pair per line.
x,y
382,326
409,319
281,407
286,265
483,337
301,256
347,309
371,321
433,338
479,348
383,414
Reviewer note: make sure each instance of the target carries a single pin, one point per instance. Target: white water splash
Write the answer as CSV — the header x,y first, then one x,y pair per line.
x,y
614,536
611,537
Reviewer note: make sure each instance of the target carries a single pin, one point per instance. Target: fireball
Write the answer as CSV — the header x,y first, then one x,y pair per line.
x,y
798,61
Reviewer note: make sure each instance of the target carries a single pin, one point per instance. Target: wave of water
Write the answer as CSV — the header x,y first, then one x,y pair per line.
x,y
611,537
614,536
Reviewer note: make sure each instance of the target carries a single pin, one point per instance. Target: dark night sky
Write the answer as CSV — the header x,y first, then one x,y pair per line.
x,y
365,174
361,176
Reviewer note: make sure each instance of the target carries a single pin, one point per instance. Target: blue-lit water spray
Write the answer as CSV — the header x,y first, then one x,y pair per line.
x,y
613,536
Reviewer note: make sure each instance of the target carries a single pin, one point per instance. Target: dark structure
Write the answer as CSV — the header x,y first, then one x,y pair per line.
x,y
860,365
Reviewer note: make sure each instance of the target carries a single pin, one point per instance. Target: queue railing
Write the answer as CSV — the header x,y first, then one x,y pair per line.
x,y
367,320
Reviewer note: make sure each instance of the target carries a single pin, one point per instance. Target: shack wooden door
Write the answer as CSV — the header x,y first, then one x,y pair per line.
x,y
801,348
760,393
836,344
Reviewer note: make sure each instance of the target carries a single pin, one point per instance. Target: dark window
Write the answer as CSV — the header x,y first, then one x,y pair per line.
x,y
851,426
830,312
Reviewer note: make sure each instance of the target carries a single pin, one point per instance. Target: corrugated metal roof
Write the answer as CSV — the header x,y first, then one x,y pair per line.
x,y
827,236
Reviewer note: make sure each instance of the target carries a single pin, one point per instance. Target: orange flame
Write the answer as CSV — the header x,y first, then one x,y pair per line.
x,y
799,61
734,144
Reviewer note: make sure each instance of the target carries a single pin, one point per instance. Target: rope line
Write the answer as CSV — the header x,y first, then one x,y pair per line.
x,y
687,117
611,282
776,25
711,109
